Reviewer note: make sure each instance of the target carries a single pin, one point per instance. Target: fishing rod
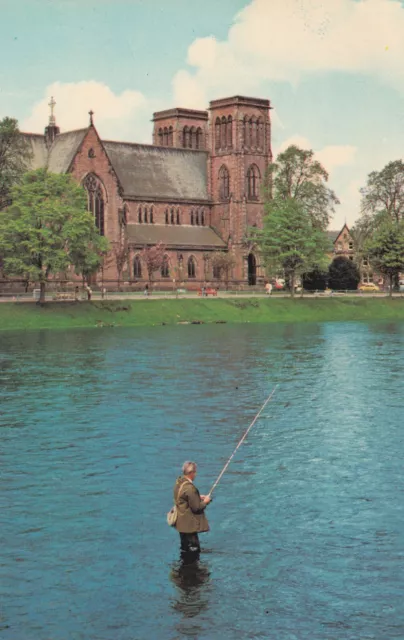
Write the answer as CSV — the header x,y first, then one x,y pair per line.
x,y
242,439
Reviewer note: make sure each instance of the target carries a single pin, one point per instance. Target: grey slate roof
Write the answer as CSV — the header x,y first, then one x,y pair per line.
x,y
39,151
147,171
64,149
174,236
333,235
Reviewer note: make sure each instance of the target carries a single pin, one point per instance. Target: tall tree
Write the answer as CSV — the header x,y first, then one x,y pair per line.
x,y
223,263
291,242
47,229
298,176
386,251
15,155
121,255
383,195
153,258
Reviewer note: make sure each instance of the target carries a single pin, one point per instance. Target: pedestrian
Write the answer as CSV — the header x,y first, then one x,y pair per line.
x,y
76,294
89,292
146,290
191,519
268,288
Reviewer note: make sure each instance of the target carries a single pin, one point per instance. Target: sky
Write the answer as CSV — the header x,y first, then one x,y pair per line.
x,y
333,70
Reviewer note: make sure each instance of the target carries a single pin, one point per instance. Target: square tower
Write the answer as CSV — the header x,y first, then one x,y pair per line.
x,y
240,148
184,128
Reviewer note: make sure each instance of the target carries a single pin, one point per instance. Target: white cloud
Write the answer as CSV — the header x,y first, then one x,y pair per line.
x,y
331,156
286,40
123,116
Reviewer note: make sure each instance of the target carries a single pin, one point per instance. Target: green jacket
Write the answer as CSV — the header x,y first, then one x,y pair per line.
x,y
191,509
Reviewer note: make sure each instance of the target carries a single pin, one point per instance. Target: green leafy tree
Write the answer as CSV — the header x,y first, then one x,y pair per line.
x,y
298,176
386,251
15,155
315,280
47,229
343,274
383,196
290,241
223,263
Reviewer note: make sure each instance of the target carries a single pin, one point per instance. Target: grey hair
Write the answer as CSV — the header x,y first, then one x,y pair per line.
x,y
188,467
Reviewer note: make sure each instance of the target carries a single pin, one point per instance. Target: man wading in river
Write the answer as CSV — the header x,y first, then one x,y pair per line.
x,y
191,506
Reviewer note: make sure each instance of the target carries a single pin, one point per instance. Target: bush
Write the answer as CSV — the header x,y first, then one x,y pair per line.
x,y
343,274
315,280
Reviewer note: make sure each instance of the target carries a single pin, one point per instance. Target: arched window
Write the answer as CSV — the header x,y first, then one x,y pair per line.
x,y
170,136
197,217
137,267
165,268
145,214
254,132
246,132
193,138
202,217
165,137
172,216
161,137
185,137
178,216
199,144
224,132
139,214
192,216
217,134
191,267
253,180
216,272
95,201
260,133
151,215
224,183
166,216
229,131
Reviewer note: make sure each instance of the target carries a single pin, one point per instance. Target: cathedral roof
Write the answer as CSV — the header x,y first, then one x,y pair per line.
x,y
147,171
60,155
184,235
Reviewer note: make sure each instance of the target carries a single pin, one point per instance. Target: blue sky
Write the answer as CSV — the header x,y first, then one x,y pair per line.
x,y
333,70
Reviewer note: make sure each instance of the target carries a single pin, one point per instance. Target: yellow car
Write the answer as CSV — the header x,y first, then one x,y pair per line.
x,y
368,287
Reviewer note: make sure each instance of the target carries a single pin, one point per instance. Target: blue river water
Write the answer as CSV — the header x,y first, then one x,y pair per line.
x,y
307,525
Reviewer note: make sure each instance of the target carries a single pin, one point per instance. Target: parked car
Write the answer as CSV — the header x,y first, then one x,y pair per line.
x,y
368,287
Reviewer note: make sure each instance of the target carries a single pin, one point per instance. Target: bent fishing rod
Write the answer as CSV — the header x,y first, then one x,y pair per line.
x,y
242,440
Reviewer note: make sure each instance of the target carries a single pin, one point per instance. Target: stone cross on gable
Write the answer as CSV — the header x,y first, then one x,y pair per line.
x,y
91,113
52,104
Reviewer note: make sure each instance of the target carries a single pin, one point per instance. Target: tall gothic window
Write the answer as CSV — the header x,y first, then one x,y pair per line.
x,y
197,217
166,216
224,183
199,143
139,214
186,137
260,133
172,216
192,216
151,215
253,179
161,137
137,267
165,269
145,214
217,134
229,131
202,218
95,201
191,267
178,216
224,133
170,136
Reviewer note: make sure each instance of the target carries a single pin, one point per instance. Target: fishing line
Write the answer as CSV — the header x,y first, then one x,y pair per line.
x,y
242,439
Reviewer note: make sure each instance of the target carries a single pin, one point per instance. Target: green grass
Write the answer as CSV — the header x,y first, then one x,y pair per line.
x,y
64,315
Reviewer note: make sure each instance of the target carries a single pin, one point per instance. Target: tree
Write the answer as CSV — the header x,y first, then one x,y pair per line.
x,y
15,154
47,229
343,274
223,263
120,252
290,241
383,195
386,251
298,176
315,280
153,258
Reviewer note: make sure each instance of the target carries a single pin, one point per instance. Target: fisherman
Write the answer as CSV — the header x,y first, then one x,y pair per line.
x,y
191,506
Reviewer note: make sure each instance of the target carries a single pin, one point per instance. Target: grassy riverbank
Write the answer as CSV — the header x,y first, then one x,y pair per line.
x,y
126,313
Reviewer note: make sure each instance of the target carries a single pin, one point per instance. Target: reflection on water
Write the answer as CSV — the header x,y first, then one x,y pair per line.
x,y
307,533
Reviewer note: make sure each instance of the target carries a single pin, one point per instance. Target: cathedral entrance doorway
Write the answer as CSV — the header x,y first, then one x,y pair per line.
x,y
252,269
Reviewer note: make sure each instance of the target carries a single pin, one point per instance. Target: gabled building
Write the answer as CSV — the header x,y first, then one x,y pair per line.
x,y
196,189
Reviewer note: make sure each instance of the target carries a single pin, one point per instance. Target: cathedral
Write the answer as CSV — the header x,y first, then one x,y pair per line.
x,y
196,188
